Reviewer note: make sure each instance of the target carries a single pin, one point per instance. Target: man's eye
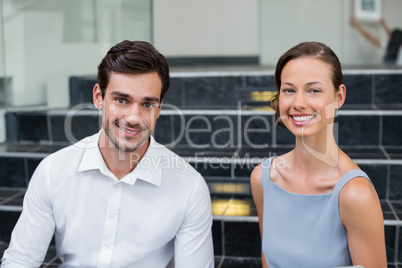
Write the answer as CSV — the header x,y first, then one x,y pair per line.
x,y
121,101
148,105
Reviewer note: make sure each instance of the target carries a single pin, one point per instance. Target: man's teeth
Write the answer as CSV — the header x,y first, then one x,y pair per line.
x,y
128,131
303,118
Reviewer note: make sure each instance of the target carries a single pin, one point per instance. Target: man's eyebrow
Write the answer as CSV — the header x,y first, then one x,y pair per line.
x,y
127,96
120,94
151,99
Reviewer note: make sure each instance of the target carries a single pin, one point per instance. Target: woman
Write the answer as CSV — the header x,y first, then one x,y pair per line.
x,y
316,207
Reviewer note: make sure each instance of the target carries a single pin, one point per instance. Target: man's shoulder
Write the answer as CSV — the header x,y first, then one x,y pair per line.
x,y
171,161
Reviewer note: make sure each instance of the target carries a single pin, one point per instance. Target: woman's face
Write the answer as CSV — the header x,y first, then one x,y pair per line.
x,y
307,97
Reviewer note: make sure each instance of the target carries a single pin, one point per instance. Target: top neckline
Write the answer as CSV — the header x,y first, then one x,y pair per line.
x,y
338,186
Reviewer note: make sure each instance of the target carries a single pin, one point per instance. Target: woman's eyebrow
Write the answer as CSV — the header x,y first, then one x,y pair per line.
x,y
288,83
313,83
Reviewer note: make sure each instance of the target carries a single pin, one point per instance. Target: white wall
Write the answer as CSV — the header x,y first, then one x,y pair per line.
x,y
49,40
65,37
35,52
287,23
265,27
207,27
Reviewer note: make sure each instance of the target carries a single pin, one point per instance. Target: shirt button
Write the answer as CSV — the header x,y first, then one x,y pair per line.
x,y
117,185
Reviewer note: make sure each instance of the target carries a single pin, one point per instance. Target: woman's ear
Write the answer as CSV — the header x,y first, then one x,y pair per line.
x,y
340,96
97,97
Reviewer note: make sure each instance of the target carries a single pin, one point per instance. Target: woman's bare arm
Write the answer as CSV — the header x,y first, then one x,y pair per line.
x,y
258,196
362,217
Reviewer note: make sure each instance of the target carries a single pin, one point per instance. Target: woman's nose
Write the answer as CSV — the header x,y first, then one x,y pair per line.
x,y
300,101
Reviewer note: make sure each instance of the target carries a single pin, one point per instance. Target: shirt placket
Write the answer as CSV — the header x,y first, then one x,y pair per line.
x,y
110,229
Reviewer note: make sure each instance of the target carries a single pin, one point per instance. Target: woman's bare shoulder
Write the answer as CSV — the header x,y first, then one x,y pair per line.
x,y
357,192
255,176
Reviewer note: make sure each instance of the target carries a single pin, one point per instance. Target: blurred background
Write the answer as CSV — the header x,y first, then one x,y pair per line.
x,y
43,42
222,55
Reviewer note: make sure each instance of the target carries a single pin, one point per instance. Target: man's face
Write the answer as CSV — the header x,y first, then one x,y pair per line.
x,y
131,106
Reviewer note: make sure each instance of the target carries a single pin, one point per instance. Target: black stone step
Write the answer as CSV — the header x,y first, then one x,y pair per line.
x,y
204,129
51,261
367,131
230,198
383,164
230,216
221,261
224,90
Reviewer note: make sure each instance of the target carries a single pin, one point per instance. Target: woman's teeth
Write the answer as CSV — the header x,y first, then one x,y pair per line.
x,y
303,118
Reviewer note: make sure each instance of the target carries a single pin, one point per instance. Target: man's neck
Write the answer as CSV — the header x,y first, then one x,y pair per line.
x,y
121,163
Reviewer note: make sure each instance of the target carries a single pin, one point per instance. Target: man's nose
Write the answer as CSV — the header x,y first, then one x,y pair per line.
x,y
133,114
133,109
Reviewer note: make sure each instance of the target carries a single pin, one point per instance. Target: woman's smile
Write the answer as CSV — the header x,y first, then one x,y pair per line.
x,y
302,119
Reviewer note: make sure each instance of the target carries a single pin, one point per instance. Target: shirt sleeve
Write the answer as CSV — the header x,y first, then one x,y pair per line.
x,y
34,230
193,242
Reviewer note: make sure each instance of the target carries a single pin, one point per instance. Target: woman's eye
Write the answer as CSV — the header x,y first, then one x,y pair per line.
x,y
287,90
314,90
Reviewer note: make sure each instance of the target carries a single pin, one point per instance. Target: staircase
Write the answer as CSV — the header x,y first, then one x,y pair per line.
x,y
219,122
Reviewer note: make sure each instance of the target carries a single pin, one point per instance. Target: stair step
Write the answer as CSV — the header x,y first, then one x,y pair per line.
x,y
206,128
253,88
229,216
231,201
199,100
383,164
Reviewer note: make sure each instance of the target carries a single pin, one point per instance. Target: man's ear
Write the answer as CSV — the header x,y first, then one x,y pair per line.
x,y
97,97
340,96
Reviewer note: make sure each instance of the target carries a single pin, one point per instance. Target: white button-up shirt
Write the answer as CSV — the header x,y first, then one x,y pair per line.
x,y
160,210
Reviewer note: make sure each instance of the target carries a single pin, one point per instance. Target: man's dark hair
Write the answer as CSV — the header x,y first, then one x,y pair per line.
x,y
133,57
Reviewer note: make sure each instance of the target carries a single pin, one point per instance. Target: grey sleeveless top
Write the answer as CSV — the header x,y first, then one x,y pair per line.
x,y
302,230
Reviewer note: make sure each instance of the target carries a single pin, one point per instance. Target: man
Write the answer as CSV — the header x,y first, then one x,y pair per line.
x,y
118,198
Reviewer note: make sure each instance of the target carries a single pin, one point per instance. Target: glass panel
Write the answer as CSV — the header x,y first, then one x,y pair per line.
x,y
44,42
3,79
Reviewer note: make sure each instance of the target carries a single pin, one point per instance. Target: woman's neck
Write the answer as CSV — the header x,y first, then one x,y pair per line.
x,y
317,151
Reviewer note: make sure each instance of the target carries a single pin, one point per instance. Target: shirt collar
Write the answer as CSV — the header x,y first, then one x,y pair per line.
x,y
92,157
148,169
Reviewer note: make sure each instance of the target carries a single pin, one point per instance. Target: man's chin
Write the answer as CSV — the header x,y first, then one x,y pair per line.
x,y
130,148
126,149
